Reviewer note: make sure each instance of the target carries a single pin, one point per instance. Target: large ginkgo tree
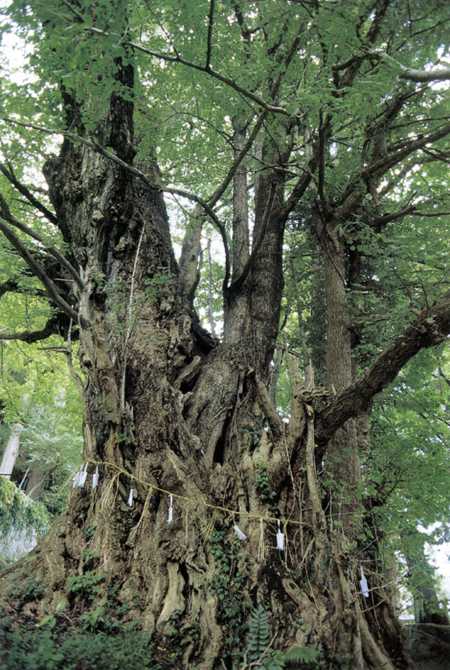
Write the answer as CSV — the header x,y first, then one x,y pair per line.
x,y
262,123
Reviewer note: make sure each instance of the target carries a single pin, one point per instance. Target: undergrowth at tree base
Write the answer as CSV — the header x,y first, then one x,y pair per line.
x,y
99,641
46,649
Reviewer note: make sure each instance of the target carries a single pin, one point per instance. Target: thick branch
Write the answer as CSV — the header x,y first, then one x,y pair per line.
x,y
380,222
39,271
216,221
6,214
235,286
189,275
241,243
299,189
411,74
381,166
10,176
436,74
31,336
220,190
431,327
269,408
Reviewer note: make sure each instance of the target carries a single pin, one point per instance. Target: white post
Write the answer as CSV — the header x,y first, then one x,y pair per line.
x,y
11,451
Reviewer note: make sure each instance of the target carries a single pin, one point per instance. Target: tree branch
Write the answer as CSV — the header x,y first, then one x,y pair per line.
x,y
31,336
381,221
200,68
5,213
436,74
212,215
190,259
140,175
381,166
431,327
299,189
39,271
220,190
235,286
411,74
11,177
269,408
10,285
210,34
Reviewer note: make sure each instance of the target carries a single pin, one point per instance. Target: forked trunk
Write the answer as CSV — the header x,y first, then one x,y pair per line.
x,y
193,433
207,503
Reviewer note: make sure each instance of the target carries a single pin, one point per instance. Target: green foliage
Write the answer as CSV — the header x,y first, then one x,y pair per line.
x,y
96,619
38,392
26,591
154,287
258,634
263,486
19,512
183,117
44,649
259,654
307,656
86,585
227,584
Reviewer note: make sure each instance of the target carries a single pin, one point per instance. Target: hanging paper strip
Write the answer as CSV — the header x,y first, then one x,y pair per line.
x,y
363,584
280,538
239,533
76,478
79,479
131,497
95,478
83,476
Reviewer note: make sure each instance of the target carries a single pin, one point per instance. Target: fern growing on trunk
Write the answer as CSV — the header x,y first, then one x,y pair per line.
x,y
259,653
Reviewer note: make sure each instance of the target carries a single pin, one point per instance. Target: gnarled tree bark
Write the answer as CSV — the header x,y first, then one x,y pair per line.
x,y
171,412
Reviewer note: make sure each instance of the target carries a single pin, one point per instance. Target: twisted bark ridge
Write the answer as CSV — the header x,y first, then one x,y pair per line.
x,y
181,427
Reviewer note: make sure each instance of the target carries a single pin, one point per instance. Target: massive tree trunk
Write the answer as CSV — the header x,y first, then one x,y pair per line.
x,y
185,437
165,416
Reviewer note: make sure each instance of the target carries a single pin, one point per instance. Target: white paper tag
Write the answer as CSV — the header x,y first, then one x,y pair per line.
x,y
95,478
363,584
170,511
83,477
79,479
240,534
280,539
76,478
131,497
